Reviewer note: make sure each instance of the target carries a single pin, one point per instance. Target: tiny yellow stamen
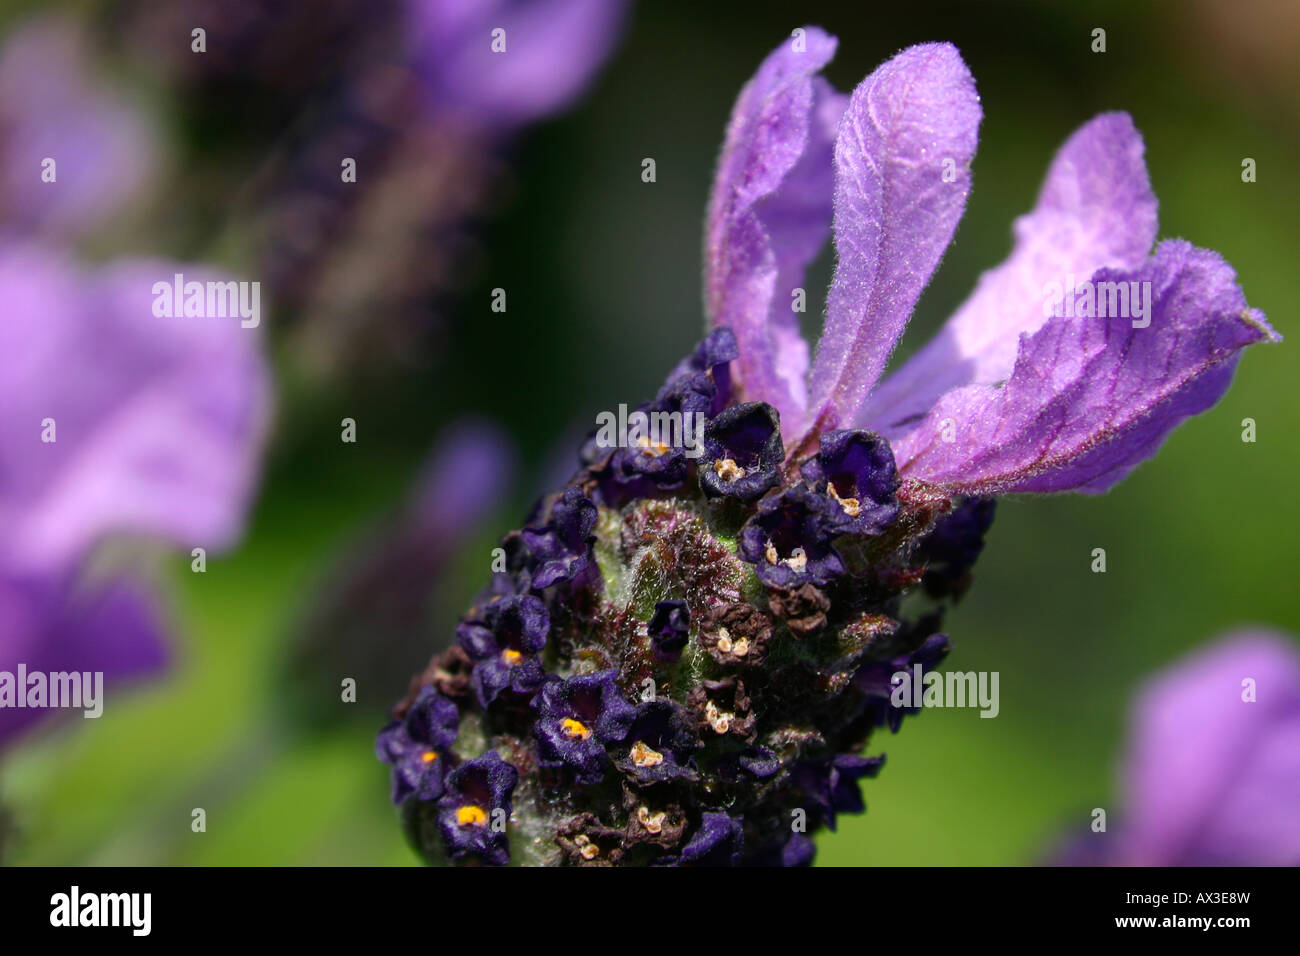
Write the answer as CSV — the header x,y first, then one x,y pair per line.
x,y
727,469
429,756
741,647
644,756
651,449
511,656
575,728
770,552
471,815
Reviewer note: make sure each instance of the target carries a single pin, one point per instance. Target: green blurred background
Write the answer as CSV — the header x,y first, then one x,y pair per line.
x,y
603,276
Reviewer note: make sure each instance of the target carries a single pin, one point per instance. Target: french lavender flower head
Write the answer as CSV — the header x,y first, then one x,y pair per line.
x,y
682,656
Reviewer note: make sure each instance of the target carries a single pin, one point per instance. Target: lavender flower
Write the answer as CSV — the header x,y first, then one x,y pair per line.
x,y
473,811
792,590
53,108
1212,771
113,423
417,746
577,719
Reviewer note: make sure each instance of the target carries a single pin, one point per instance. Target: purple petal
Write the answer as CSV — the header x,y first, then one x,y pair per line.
x,y
1096,210
1090,398
769,216
910,125
50,106
159,421
50,625
552,50
1213,779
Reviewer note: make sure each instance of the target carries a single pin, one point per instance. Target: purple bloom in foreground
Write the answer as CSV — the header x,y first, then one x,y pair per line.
x,y
811,553
473,811
1211,776
856,470
577,718
113,423
719,841
562,546
418,745
789,540
505,641
1003,399
742,452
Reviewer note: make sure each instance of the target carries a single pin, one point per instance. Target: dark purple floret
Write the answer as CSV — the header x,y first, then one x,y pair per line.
x,y
789,540
504,641
755,762
561,548
951,548
661,459
831,785
669,629
875,680
473,813
799,850
719,841
742,452
418,746
659,744
855,470
577,718
707,370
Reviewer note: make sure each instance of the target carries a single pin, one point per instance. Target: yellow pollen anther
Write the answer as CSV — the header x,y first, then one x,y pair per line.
x,y
471,815
511,656
575,728
644,756
651,449
769,552
724,640
589,850
741,647
653,822
852,507
429,756
727,469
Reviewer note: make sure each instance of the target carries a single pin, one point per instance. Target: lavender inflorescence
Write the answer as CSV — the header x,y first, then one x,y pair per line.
x,y
685,657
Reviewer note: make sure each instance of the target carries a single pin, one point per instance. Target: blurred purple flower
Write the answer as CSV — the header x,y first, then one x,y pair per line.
x,y
1003,399
411,92
113,422
541,60
53,107
52,624
158,422
1212,771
